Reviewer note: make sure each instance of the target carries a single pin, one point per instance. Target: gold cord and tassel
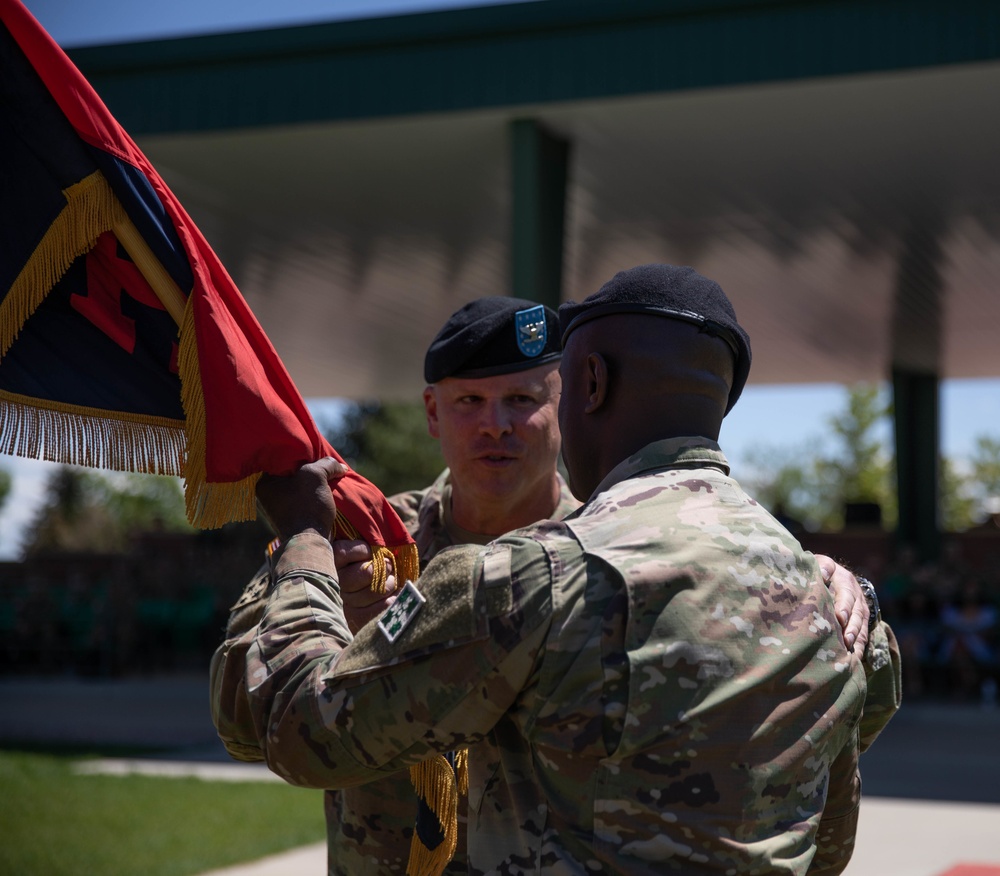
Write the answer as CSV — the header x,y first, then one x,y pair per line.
x,y
405,559
438,784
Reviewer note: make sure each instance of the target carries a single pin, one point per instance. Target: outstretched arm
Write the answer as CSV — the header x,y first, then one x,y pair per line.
x,y
330,709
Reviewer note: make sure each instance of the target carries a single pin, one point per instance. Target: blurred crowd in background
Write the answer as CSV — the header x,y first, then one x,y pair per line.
x,y
944,615
159,606
162,604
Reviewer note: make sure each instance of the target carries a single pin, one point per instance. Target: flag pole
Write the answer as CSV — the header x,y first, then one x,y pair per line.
x,y
156,275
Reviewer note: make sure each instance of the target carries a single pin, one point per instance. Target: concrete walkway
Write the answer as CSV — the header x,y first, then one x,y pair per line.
x,y
895,838
932,781
307,861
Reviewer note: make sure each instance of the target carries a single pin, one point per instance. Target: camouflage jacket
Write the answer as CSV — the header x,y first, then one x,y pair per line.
x,y
369,827
655,684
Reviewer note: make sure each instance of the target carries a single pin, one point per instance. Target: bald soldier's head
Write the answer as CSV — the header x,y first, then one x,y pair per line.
x,y
656,353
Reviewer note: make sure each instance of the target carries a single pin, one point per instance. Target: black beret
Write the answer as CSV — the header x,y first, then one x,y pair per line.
x,y
493,335
674,292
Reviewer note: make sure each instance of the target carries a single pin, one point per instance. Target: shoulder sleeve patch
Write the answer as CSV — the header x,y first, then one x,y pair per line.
x,y
446,615
398,616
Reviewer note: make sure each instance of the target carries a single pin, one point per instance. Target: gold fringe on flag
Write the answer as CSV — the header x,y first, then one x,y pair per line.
x,y
101,439
91,210
438,785
65,433
209,505
74,435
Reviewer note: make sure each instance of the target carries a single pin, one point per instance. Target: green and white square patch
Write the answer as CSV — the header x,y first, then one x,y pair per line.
x,y
397,616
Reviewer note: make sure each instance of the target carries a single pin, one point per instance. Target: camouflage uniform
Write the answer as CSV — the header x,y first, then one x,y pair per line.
x,y
369,827
659,683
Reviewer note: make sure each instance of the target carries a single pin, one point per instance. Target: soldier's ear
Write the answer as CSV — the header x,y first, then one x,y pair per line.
x,y
597,382
430,408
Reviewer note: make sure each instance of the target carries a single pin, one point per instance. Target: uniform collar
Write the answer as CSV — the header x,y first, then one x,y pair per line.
x,y
689,452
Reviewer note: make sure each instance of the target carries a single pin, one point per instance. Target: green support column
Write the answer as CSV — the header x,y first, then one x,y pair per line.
x,y
915,400
916,362
539,162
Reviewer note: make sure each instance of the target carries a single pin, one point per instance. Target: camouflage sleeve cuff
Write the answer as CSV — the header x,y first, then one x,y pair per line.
x,y
305,552
882,669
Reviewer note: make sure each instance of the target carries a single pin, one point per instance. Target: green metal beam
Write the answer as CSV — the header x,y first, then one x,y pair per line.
x,y
522,53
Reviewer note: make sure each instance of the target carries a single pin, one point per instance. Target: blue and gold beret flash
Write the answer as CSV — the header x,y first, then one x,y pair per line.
x,y
670,291
493,335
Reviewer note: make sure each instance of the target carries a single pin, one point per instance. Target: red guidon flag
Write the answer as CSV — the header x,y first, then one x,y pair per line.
x,y
124,344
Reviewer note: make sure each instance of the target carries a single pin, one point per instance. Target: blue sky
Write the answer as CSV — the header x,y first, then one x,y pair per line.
x,y
85,22
791,417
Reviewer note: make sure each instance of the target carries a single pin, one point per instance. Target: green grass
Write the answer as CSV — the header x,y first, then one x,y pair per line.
x,y
54,821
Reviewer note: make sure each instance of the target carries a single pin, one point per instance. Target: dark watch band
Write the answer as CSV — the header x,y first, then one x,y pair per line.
x,y
871,597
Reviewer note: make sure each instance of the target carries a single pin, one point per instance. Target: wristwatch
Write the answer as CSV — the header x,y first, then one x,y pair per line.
x,y
871,597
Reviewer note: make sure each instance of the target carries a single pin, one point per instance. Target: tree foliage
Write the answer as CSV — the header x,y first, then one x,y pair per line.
x,y
389,444
959,507
848,463
851,462
6,482
860,469
96,511
782,480
972,493
986,467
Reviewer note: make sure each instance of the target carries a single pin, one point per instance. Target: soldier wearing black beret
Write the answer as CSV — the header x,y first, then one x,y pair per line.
x,y
673,292
493,335
491,401
492,394
492,398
